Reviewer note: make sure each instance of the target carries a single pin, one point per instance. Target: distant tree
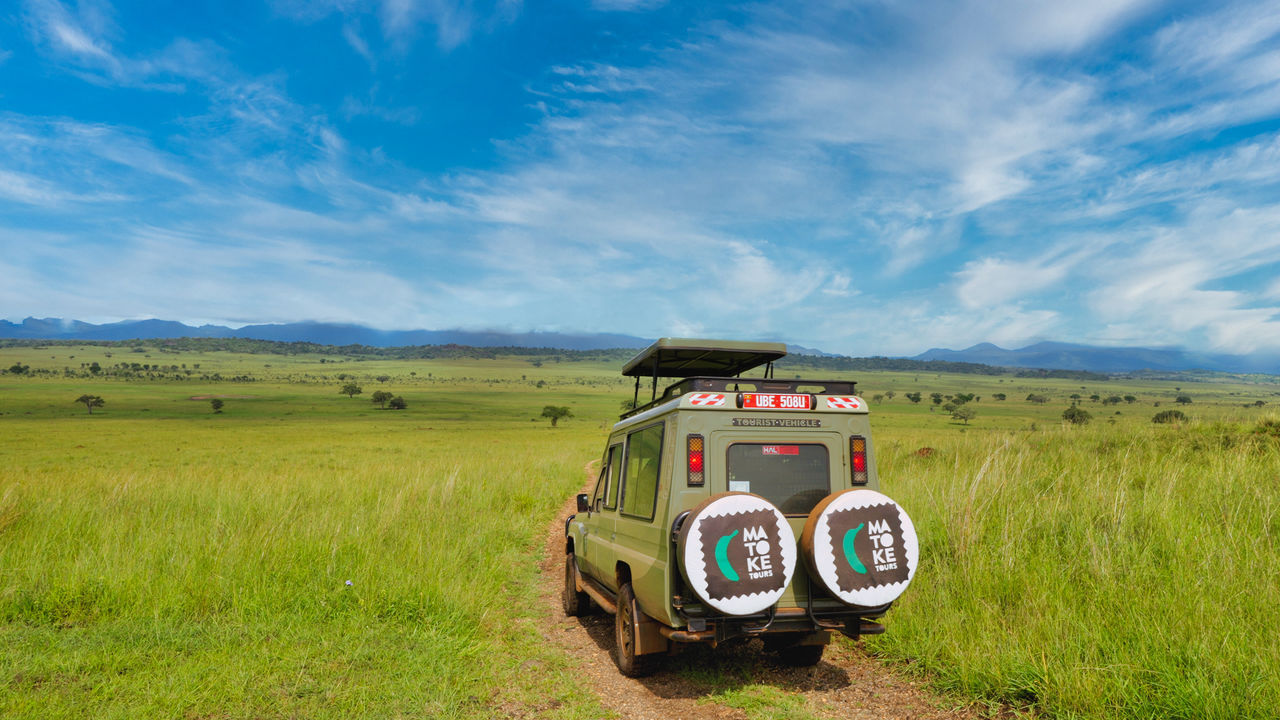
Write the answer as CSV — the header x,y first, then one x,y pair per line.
x,y
1095,397
1169,416
1076,396
877,398
1000,396
555,413
383,378
1113,400
537,363
344,376
627,405
1076,415
217,404
1131,399
1183,399
963,398
1259,403
91,402
890,394
913,397
351,390
1038,399
964,413
397,403
19,369
950,407
95,368
936,397
381,397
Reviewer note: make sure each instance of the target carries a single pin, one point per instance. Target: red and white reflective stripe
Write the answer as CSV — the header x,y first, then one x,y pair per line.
x,y
711,399
844,403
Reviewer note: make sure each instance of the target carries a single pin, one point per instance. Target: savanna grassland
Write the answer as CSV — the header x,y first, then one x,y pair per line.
x,y
303,553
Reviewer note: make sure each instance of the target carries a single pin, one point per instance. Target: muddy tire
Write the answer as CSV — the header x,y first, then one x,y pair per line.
x,y
624,654
801,655
574,603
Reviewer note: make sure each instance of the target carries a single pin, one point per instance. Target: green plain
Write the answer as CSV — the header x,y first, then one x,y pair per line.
x,y
307,554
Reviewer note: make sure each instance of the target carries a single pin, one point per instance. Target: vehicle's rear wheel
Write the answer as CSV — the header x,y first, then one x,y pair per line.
x,y
629,663
574,603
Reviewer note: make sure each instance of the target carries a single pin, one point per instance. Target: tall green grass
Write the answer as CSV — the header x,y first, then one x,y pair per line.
x,y
279,570
1088,573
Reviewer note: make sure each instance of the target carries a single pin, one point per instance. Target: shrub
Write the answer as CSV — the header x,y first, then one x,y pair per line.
x,y
1169,416
1076,415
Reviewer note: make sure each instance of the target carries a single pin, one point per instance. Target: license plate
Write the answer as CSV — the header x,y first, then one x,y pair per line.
x,y
761,401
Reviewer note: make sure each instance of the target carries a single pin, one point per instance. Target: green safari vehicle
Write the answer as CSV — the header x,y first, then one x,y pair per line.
x,y
731,507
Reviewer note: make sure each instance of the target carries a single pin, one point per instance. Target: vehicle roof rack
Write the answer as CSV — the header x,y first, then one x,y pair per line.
x,y
690,357
746,384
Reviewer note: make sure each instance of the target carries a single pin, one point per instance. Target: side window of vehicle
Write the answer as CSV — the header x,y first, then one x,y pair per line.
x,y
615,474
602,487
643,467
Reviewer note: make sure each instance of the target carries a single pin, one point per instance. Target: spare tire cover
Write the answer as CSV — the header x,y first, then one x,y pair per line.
x,y
737,552
861,546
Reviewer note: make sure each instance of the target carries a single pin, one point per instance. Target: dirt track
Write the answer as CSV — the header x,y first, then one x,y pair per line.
x,y
846,684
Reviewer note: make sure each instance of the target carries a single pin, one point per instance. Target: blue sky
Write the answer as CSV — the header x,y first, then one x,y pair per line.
x,y
862,177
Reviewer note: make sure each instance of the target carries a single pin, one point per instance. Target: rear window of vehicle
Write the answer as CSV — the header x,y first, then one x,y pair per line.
x,y
793,477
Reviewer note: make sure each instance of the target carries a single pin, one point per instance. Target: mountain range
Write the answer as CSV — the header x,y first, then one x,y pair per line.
x,y
1066,356
315,332
1049,355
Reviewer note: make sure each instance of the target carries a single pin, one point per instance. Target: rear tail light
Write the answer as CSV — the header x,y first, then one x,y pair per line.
x,y
858,459
696,476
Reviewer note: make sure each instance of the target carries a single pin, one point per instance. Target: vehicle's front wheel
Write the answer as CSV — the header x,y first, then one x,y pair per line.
x,y
574,603
629,663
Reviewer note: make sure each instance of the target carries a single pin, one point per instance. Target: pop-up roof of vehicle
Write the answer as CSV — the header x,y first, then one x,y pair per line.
x,y
685,357
691,358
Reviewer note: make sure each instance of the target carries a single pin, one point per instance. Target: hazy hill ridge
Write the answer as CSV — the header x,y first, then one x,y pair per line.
x,y
313,332
1067,356
1054,355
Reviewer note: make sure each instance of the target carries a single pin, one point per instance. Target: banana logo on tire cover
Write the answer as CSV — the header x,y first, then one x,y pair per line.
x,y
861,546
737,552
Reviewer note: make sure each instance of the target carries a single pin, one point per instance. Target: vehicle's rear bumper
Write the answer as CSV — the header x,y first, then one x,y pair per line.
x,y
780,621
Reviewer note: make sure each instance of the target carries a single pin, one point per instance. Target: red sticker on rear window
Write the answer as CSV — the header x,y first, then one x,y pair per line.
x,y
780,449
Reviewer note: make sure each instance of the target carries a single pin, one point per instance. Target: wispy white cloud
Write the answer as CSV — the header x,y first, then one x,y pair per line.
x,y
1166,283
24,188
627,5
401,21
357,42
353,107
992,281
